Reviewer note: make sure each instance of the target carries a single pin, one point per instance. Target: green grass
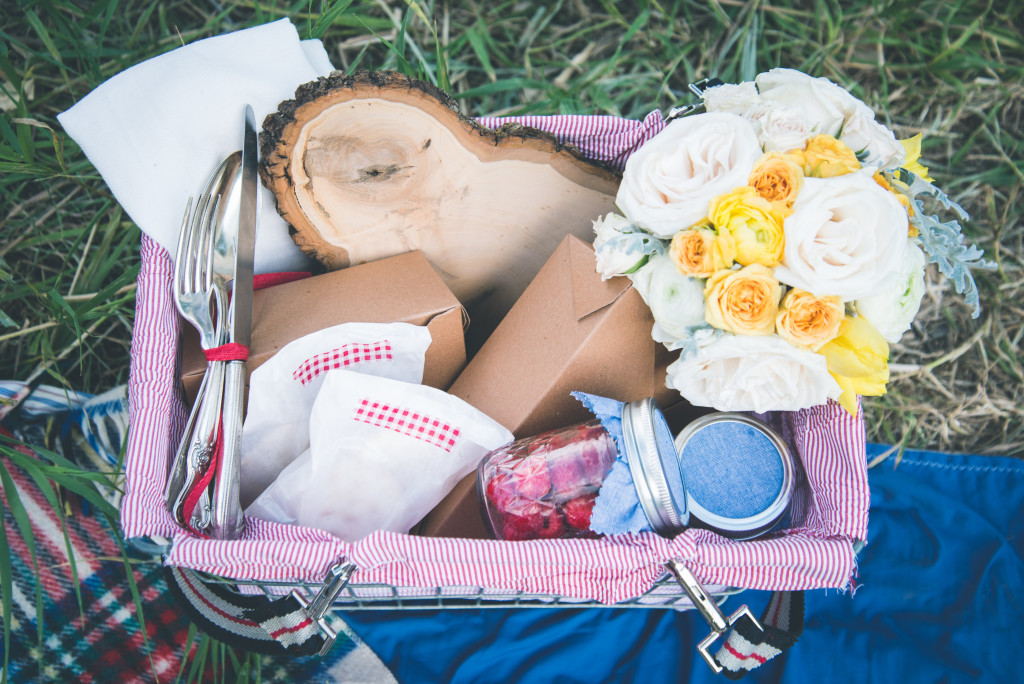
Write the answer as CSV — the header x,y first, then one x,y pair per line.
x,y
953,71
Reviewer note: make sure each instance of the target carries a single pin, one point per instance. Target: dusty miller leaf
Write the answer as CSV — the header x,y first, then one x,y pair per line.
x,y
943,241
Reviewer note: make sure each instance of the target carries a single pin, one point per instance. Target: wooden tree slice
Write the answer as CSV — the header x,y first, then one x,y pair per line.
x,y
376,164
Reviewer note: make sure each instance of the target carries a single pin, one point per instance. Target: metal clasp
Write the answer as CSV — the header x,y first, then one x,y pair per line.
x,y
336,580
709,610
697,89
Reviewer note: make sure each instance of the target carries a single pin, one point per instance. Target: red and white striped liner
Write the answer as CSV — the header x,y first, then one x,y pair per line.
x,y
830,442
408,422
342,357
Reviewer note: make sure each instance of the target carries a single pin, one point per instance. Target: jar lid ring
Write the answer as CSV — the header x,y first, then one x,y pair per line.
x,y
643,455
755,524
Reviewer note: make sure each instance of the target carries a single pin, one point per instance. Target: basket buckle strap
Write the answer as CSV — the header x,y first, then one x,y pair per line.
x,y
288,625
697,89
751,643
337,578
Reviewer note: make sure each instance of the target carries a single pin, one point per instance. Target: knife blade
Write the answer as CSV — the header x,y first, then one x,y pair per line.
x,y
227,521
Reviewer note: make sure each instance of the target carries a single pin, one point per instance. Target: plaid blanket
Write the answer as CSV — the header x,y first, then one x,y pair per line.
x,y
98,633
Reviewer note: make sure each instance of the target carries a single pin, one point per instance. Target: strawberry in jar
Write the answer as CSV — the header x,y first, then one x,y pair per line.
x,y
544,486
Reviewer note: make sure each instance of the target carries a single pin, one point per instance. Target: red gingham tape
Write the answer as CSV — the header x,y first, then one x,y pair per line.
x,y
408,422
345,355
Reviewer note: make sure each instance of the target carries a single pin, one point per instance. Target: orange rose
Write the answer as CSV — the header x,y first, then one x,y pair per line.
x,y
777,177
699,252
825,157
806,320
745,302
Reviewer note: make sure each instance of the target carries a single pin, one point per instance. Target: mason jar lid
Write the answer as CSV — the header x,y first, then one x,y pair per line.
x,y
741,474
651,456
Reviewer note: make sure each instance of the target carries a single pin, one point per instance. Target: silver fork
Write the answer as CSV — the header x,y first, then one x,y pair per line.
x,y
176,474
197,298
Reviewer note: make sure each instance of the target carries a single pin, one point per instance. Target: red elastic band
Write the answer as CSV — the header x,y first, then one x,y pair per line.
x,y
232,351
192,498
262,280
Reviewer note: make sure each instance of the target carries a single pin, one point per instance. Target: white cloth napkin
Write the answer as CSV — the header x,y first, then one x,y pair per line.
x,y
157,130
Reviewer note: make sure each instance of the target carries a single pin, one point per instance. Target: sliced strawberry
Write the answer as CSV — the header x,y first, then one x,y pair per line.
x,y
519,527
579,510
565,473
558,439
531,478
525,522
500,490
596,459
552,526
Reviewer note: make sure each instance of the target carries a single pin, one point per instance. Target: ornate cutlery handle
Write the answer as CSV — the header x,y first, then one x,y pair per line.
x,y
202,445
227,514
178,472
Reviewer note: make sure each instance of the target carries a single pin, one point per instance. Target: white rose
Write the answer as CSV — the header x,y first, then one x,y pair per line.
x,y
824,102
892,312
782,129
733,98
615,256
847,236
744,373
669,182
874,144
676,301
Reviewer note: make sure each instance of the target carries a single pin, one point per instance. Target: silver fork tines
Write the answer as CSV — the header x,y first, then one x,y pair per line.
x,y
182,272
193,275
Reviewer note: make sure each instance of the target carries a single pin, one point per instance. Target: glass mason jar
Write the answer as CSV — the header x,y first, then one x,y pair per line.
x,y
725,472
544,486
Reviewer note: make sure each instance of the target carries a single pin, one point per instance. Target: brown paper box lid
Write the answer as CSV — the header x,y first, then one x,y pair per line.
x,y
588,293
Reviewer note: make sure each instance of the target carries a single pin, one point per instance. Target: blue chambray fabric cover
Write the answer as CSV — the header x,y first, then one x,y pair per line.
x,y
732,470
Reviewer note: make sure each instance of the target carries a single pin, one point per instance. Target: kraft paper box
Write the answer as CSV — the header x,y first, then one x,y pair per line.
x,y
568,331
403,288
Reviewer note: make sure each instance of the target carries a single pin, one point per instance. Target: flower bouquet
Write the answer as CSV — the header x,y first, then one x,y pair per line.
x,y
779,237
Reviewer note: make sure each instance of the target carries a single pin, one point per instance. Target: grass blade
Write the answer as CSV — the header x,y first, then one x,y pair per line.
x,y
133,587
20,516
6,596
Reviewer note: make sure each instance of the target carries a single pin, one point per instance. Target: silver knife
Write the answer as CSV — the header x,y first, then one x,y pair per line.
x,y
227,522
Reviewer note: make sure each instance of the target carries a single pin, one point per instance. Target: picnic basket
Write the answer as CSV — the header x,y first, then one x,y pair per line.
x,y
273,589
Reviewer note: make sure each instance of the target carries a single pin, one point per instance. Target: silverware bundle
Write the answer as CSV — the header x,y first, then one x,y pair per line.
x,y
215,248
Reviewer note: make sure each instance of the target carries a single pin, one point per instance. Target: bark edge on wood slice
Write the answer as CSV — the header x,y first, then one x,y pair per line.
x,y
374,164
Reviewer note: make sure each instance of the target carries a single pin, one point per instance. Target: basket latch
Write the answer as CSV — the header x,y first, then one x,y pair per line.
x,y
336,580
709,610
697,89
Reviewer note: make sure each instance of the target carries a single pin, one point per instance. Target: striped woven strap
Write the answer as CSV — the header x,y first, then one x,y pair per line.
x,y
749,645
254,623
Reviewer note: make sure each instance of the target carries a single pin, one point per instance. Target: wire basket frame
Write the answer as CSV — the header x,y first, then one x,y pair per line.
x,y
666,593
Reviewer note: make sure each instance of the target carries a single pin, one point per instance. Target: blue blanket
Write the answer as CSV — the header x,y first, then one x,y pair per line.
x,y
940,599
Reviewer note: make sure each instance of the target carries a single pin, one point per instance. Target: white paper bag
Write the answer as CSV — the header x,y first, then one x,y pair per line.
x,y
282,390
382,454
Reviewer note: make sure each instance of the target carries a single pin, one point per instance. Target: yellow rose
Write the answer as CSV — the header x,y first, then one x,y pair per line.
x,y
825,157
858,358
777,177
699,252
807,320
912,149
745,302
754,224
